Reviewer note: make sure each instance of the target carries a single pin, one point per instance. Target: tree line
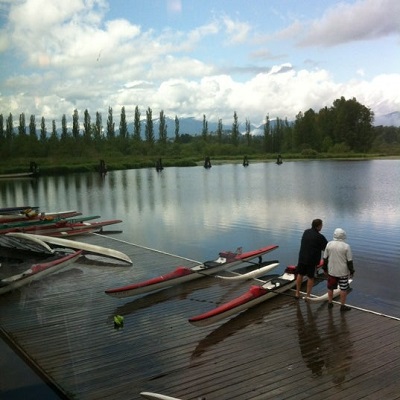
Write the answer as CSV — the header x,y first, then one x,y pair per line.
x,y
346,126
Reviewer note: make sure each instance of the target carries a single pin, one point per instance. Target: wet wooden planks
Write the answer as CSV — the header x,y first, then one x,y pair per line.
x,y
281,349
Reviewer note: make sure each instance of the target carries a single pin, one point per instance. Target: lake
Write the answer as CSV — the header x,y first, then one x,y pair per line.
x,y
196,212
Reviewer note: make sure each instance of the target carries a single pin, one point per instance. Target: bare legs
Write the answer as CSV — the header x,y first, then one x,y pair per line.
x,y
299,281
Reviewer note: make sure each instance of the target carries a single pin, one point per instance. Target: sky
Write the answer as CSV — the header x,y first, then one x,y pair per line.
x,y
195,58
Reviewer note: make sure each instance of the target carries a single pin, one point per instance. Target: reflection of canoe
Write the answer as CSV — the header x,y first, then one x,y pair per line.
x,y
54,242
23,216
18,175
13,226
37,271
63,228
255,295
12,210
184,274
156,396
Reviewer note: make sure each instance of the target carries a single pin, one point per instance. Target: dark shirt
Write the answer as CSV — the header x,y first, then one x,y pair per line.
x,y
312,243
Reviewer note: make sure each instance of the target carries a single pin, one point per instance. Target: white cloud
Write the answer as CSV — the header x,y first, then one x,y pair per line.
x,y
83,61
363,20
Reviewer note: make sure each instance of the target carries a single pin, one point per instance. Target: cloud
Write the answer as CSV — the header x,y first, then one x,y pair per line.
x,y
237,31
82,60
363,20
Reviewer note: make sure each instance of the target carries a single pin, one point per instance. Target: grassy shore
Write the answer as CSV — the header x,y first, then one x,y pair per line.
x,y
50,166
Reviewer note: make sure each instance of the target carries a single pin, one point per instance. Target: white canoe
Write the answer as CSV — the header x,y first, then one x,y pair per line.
x,y
72,244
25,243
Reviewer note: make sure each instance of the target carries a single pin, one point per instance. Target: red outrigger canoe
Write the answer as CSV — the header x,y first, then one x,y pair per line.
x,y
255,295
184,274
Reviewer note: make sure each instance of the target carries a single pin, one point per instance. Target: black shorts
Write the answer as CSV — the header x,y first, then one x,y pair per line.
x,y
304,269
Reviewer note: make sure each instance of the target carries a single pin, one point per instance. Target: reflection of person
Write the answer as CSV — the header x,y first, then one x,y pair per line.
x,y
338,263
338,349
312,244
310,341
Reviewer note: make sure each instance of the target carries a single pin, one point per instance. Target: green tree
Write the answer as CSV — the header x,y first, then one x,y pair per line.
x,y
267,135
149,133
87,127
9,137
98,127
110,125
2,130
248,128
43,131
219,131
32,127
177,138
75,125
306,131
53,140
137,126
22,125
64,129
204,132
123,126
235,130
353,124
162,129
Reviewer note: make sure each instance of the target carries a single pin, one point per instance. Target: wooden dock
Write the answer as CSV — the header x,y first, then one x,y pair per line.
x,y
283,349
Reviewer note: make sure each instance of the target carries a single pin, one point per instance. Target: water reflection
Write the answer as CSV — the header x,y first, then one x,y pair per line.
x,y
338,347
330,350
310,340
195,213
233,326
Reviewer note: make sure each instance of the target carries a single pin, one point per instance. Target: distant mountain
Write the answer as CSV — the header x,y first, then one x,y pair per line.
x,y
392,119
192,126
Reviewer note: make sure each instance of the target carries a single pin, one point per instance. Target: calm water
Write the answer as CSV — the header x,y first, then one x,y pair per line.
x,y
195,213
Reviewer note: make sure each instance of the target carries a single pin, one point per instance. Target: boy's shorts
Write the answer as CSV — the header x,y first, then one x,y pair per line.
x,y
342,281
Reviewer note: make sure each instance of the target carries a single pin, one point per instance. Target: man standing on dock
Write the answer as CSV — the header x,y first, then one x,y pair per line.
x,y
312,244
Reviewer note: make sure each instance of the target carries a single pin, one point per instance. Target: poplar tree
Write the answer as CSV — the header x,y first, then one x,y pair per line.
x,y
235,130
123,126
98,127
248,127
2,131
137,126
22,125
43,131
110,124
75,124
204,132
64,129
177,137
32,128
219,131
149,127
267,135
162,129
87,127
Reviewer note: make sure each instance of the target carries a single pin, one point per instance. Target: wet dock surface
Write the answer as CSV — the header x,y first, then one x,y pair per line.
x,y
282,349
